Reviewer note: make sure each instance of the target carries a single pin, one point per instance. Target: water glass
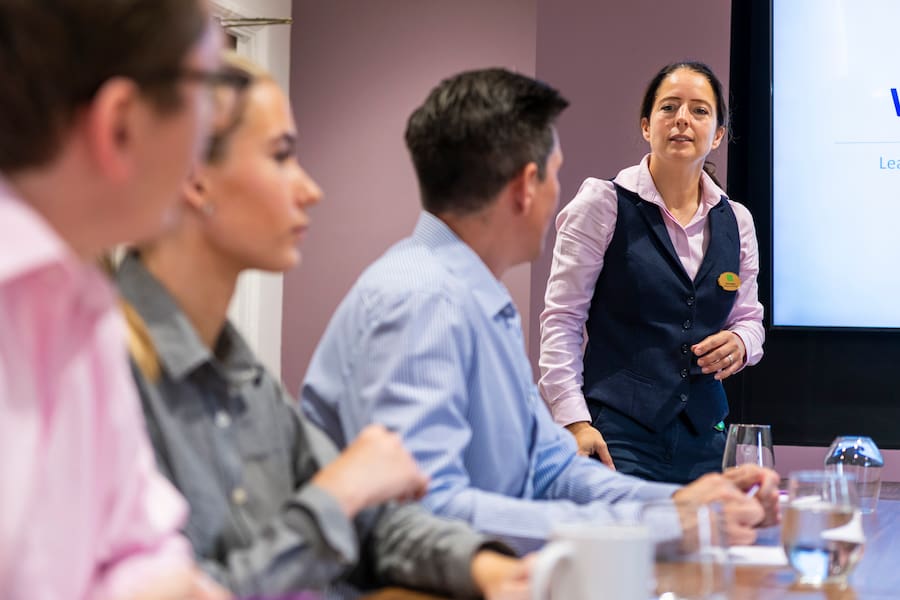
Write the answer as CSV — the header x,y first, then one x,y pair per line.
x,y
858,455
748,443
692,561
822,529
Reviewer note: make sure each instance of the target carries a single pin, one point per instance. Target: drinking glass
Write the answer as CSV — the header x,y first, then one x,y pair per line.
x,y
692,561
822,529
858,455
748,443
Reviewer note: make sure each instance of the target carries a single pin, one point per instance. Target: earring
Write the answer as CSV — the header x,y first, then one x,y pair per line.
x,y
208,209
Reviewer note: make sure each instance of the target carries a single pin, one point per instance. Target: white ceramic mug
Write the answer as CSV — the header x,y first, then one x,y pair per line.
x,y
593,562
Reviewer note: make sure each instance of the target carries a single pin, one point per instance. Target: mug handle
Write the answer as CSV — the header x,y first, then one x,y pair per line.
x,y
545,565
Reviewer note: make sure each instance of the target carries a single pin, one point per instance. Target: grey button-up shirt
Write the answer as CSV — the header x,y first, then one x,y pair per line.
x,y
230,439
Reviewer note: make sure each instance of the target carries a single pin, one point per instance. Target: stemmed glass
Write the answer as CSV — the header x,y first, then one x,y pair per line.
x,y
822,530
858,455
748,443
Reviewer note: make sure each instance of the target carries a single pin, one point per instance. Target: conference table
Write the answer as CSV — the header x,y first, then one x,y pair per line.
x,y
876,577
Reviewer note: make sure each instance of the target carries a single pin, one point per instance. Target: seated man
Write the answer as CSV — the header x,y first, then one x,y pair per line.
x,y
429,343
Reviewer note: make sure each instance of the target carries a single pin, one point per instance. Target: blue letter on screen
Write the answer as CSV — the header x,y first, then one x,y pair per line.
x,y
896,101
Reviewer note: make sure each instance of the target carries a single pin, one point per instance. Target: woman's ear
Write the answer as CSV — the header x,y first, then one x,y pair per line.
x,y
645,128
195,190
720,135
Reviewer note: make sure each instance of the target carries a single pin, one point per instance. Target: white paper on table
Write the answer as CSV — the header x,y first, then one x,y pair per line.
x,y
769,556
852,531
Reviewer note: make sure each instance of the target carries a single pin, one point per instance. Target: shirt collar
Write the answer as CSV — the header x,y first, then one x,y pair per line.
x,y
176,342
28,241
459,258
640,182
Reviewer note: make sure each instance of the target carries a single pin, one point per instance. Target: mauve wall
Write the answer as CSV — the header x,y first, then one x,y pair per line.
x,y
358,70
359,67
601,55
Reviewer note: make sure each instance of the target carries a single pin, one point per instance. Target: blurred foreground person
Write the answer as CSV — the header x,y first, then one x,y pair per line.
x,y
99,121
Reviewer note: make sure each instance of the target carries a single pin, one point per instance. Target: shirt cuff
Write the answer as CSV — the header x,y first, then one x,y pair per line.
x,y
570,409
743,338
653,491
463,551
334,526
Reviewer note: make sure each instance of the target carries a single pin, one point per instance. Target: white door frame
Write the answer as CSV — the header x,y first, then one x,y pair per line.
x,y
256,309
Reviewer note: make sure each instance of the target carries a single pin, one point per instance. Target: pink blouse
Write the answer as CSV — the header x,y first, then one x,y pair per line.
x,y
584,230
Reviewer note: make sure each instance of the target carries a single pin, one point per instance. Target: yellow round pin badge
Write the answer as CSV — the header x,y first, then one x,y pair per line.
x,y
729,281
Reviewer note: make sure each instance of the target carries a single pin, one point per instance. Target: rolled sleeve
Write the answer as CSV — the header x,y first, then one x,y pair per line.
x,y
337,531
419,549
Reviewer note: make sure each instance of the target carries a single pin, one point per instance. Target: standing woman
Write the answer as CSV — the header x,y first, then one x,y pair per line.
x,y
659,268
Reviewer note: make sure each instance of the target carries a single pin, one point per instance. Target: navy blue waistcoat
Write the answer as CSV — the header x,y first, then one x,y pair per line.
x,y
646,313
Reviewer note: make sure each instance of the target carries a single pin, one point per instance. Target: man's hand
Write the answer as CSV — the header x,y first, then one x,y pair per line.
x,y
502,577
590,442
374,469
741,512
765,481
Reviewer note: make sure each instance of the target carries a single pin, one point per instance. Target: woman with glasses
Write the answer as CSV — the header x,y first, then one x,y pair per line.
x,y
274,508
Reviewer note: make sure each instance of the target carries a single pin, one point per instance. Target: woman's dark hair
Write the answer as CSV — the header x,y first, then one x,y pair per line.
x,y
56,54
696,67
722,115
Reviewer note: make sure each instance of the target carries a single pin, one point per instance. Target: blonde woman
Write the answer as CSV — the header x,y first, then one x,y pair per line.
x,y
275,509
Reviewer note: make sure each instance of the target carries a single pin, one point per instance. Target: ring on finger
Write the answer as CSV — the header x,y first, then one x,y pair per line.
x,y
730,360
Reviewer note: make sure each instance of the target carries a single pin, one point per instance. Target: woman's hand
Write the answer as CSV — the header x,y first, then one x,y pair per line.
x,y
591,442
503,577
721,353
375,468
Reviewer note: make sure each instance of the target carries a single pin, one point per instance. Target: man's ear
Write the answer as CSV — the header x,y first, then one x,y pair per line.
x,y
524,187
113,123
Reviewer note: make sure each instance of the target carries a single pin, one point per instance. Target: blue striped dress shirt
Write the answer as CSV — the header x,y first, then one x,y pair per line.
x,y
429,343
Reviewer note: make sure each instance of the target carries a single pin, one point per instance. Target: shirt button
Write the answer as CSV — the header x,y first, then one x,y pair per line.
x,y
684,348
222,419
683,397
684,373
687,324
239,496
690,300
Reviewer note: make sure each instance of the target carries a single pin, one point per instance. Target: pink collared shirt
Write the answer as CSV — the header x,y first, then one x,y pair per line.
x,y
83,512
584,230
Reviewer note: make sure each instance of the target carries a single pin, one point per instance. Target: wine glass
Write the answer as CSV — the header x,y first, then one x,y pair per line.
x,y
748,443
822,530
860,456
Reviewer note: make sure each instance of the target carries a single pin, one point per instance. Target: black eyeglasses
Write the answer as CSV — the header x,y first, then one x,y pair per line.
x,y
228,79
